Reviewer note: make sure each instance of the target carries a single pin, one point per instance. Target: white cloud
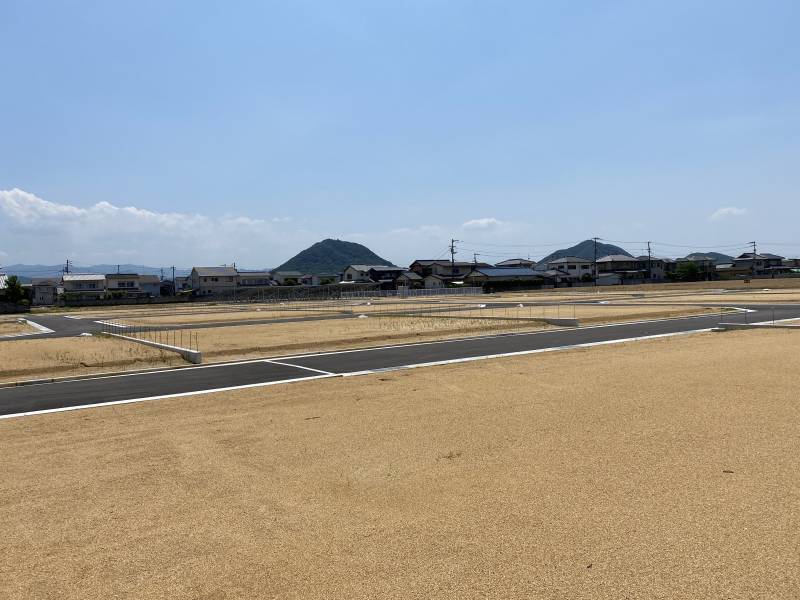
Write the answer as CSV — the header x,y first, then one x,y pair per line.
x,y
483,223
37,230
726,212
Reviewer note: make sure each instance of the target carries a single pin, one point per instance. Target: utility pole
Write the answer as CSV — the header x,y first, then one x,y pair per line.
x,y
649,262
474,259
117,269
173,274
66,267
753,263
594,274
453,257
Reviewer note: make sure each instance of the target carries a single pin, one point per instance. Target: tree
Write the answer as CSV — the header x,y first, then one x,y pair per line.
x,y
14,291
688,271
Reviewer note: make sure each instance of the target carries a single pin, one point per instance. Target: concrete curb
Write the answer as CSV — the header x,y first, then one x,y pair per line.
x,y
193,356
732,326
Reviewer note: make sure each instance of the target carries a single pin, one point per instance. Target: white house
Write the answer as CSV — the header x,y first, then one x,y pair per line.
x,y
84,285
213,280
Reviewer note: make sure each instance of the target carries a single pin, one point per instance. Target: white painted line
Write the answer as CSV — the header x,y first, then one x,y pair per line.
x,y
164,397
72,317
113,324
41,328
286,364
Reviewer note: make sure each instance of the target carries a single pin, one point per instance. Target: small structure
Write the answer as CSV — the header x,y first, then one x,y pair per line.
x,y
320,278
409,279
46,290
435,281
287,277
84,285
255,278
212,280
504,277
525,263
150,286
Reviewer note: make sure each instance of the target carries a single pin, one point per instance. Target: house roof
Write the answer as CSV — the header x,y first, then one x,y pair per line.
x,y
616,258
411,275
376,267
149,279
446,263
254,273
760,255
506,272
515,261
84,277
215,271
48,281
567,259
288,274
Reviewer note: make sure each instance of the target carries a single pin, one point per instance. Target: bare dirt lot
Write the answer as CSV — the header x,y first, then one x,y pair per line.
x,y
10,325
495,479
61,357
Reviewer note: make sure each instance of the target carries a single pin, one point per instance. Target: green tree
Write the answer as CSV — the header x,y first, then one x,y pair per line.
x,y
688,271
14,291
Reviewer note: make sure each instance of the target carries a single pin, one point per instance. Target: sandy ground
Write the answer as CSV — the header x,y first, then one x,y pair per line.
x,y
9,325
651,479
61,357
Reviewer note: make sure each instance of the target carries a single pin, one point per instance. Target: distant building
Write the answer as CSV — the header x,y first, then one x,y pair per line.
x,y
525,263
435,281
625,267
749,264
571,268
370,273
255,278
182,284
84,285
45,290
213,280
503,277
320,278
706,266
150,286
409,279
444,268
656,268
287,277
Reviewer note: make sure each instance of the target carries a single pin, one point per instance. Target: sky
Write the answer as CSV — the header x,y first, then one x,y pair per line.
x,y
204,133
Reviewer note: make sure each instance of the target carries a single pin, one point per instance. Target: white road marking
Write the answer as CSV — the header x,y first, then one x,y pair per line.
x,y
286,364
41,328
164,397
113,324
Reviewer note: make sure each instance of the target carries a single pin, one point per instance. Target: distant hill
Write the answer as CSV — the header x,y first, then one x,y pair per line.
x,y
718,258
331,256
584,250
27,272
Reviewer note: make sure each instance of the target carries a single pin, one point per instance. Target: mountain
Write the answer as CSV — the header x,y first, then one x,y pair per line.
x,y
26,272
331,256
718,258
585,250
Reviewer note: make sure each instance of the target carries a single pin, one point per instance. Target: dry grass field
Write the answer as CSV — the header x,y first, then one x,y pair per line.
x,y
60,357
651,479
10,325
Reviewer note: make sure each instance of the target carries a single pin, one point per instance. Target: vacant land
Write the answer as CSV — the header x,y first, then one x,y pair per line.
x,y
492,479
59,357
11,325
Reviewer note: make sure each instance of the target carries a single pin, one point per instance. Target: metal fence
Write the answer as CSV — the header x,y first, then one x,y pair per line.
x,y
414,293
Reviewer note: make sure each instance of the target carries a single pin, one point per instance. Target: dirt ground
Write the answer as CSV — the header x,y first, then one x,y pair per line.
x,y
10,325
61,357
651,479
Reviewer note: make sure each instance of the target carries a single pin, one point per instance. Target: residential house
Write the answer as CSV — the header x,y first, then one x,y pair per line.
x,y
123,285
150,286
749,264
792,263
287,277
46,290
320,278
385,276
524,263
206,281
656,268
371,273
434,281
504,277
571,268
84,285
409,279
444,268
626,267
182,284
254,278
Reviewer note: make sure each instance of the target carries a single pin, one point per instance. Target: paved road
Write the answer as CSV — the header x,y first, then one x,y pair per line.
x,y
70,394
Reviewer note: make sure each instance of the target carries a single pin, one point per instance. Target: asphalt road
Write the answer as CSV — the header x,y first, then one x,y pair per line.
x,y
70,394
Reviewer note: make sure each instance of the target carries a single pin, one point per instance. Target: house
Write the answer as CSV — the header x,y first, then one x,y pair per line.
x,y
320,278
212,280
46,290
409,279
182,284
749,264
371,273
627,267
571,268
706,266
792,263
287,277
444,268
150,286
503,277
525,263
386,276
84,285
255,278
121,285
434,281
656,268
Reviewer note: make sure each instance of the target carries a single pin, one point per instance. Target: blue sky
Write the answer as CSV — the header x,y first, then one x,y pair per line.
x,y
197,132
